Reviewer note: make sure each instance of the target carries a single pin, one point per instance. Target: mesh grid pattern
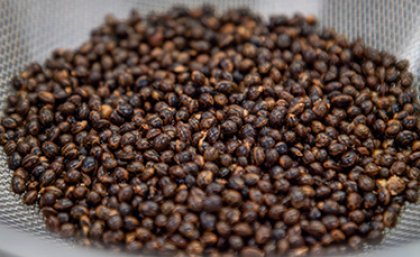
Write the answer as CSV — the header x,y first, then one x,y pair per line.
x,y
30,30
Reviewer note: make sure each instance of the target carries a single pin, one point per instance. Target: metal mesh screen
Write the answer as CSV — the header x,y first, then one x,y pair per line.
x,y
30,30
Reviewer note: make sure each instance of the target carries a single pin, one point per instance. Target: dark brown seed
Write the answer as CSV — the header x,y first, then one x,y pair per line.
x,y
18,185
354,200
67,230
355,242
232,197
89,164
366,183
30,197
46,97
9,123
349,159
341,100
115,222
204,178
212,203
50,149
29,161
291,216
330,222
258,155
211,154
372,169
405,138
285,161
362,131
251,252
283,41
161,142
316,229
229,127
336,149
243,229
262,234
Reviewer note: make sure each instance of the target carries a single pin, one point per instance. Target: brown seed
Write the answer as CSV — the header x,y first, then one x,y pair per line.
x,y
243,229
291,216
251,252
212,203
330,222
390,218
67,230
366,183
338,235
9,123
204,178
29,161
362,131
285,161
229,127
18,185
115,222
106,111
258,155
232,197
395,185
262,234
336,149
46,97
355,242
236,242
30,197
149,208
372,169
341,100
316,229
211,154
354,200
50,149
349,159
283,246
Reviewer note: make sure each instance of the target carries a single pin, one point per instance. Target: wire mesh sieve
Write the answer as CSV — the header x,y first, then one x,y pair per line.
x,y
30,30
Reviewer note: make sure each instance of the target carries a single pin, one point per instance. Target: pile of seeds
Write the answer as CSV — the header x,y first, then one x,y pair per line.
x,y
203,133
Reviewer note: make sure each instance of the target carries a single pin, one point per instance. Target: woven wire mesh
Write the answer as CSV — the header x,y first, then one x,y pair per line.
x,y
30,30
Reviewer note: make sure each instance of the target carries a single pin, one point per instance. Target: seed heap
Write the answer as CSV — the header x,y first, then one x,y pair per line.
x,y
191,131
